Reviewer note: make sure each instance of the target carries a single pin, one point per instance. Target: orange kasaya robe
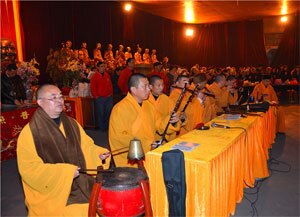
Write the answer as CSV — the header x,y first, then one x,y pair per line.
x,y
195,115
221,96
210,109
164,107
129,120
268,93
174,96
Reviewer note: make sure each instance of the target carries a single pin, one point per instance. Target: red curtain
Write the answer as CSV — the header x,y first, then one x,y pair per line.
x,y
288,49
47,24
8,23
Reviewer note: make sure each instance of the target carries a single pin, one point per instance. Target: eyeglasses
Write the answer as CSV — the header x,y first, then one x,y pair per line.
x,y
55,98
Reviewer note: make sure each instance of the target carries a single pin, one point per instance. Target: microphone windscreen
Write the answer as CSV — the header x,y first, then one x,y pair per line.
x,y
199,125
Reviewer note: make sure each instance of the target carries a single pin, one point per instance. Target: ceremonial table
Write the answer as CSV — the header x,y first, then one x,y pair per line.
x,y
13,121
217,171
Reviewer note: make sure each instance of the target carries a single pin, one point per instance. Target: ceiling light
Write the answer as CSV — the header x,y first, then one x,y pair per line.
x,y
283,19
127,7
189,32
189,12
284,8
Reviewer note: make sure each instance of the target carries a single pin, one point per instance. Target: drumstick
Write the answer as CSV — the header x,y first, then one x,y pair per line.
x,y
117,150
95,170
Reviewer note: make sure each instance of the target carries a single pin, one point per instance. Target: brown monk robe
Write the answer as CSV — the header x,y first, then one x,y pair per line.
x,y
264,91
51,149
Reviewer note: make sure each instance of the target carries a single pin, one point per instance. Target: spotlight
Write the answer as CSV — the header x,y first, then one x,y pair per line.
x,y
189,32
127,7
284,19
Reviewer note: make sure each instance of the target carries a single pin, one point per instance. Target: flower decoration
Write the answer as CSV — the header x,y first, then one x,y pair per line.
x,y
74,72
28,71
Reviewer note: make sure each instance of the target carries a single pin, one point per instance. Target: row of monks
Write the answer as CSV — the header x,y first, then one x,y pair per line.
x,y
113,60
199,104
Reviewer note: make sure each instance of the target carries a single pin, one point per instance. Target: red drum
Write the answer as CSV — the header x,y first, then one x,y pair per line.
x,y
121,194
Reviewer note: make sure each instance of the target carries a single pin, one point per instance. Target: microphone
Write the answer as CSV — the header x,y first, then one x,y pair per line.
x,y
213,124
200,126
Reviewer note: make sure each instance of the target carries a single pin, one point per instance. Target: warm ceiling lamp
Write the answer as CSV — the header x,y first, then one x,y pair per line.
x,y
127,7
283,19
189,12
189,32
284,7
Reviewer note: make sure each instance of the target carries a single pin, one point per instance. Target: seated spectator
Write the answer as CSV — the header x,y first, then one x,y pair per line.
x,y
294,81
12,89
277,80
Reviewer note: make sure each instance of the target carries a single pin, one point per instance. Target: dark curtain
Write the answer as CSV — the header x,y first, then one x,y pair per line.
x,y
288,49
47,24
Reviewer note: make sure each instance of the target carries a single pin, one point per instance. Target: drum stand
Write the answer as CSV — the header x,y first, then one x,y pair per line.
x,y
94,203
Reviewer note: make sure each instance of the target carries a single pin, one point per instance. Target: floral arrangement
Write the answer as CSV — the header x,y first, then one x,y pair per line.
x,y
74,72
29,72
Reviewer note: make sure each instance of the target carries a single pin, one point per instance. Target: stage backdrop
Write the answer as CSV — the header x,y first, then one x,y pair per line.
x,y
47,24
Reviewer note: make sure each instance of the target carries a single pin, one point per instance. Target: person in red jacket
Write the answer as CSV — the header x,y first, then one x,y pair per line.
x,y
102,91
125,74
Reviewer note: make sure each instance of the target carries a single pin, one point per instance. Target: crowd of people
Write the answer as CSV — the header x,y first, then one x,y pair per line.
x,y
53,149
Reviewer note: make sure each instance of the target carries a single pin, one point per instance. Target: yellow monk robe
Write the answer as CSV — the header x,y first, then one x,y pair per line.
x,y
195,115
48,186
269,94
221,99
129,120
210,111
174,97
164,107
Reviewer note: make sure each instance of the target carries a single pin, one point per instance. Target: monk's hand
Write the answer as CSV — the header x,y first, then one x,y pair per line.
x,y
104,156
182,117
154,145
201,96
174,118
76,173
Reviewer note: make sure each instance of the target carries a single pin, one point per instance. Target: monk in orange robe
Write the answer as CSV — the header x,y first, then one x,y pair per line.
x,y
219,90
264,91
181,81
164,108
207,101
231,90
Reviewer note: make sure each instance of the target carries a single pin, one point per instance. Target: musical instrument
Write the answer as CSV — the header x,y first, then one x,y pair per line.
x,y
207,92
163,136
121,193
193,93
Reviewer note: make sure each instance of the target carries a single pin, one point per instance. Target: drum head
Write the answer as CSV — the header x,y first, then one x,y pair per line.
x,y
123,178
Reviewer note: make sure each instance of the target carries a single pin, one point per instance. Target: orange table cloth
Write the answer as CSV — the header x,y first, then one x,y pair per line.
x,y
217,170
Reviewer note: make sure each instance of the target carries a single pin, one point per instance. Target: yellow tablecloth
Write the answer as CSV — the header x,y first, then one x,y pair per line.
x,y
217,170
